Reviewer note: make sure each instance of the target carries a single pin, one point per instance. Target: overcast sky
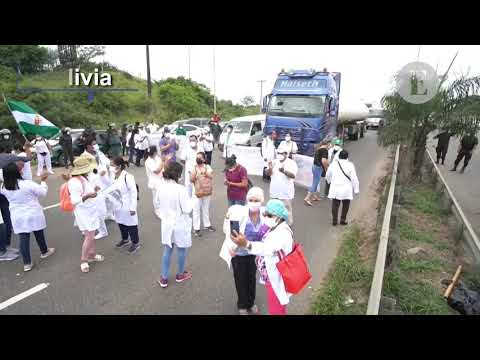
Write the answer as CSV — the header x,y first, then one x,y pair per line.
x,y
366,70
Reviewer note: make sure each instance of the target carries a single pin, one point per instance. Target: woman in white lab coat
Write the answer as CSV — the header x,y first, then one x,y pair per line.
x,y
278,238
126,216
343,180
43,148
83,197
26,212
175,206
154,169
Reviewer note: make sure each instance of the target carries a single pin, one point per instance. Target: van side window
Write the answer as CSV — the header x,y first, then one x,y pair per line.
x,y
257,127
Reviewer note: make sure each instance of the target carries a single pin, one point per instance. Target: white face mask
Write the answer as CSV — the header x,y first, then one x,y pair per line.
x,y
336,148
254,205
288,138
193,144
270,222
7,137
96,147
229,131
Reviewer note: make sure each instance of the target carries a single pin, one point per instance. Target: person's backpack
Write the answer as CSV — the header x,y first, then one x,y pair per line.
x,y
203,185
138,189
65,199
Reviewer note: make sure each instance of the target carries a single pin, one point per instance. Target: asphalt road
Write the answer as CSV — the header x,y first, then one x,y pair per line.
x,y
125,284
464,186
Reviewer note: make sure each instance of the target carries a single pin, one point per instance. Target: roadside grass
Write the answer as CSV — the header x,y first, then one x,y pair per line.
x,y
349,275
414,280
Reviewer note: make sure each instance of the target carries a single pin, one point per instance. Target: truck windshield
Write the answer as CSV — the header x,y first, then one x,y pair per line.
x,y
301,106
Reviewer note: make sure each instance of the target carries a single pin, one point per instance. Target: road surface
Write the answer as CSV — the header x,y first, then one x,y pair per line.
x,y
125,284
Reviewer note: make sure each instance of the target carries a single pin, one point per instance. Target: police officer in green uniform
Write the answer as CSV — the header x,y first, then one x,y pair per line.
x,y
114,142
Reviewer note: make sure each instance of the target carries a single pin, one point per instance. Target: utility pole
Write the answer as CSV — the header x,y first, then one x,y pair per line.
x,y
189,49
214,97
149,80
261,93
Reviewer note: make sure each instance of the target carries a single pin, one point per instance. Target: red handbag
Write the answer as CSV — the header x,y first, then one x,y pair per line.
x,y
294,269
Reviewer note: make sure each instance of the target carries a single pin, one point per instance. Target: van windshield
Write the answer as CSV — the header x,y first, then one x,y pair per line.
x,y
240,127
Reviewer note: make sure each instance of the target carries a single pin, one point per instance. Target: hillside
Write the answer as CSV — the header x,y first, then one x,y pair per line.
x,y
171,100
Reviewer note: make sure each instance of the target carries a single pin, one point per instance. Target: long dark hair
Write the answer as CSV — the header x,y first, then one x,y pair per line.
x,y
119,161
151,151
173,171
11,175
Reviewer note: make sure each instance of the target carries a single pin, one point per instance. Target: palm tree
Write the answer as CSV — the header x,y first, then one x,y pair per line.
x,y
455,107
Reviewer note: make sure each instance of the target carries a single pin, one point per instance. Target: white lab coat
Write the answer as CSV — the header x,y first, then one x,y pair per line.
x,y
151,165
227,151
86,213
27,168
281,238
175,207
190,157
238,213
268,150
128,188
141,140
340,187
330,153
208,146
291,146
25,209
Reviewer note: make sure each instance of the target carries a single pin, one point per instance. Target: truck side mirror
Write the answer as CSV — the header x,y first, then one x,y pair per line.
x,y
331,107
266,101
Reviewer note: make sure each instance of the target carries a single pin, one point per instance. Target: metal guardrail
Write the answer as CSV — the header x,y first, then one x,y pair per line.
x,y
474,242
377,283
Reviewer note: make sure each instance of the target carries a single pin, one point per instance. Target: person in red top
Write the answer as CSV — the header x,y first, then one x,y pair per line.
x,y
216,118
236,180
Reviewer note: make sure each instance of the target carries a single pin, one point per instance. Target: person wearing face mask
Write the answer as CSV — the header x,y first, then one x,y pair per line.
x,y
141,144
168,146
268,151
83,197
202,180
175,207
42,148
26,169
236,180
319,169
282,187
131,144
289,145
189,159
279,238
126,216
66,143
154,167
207,143
333,153
228,142
252,224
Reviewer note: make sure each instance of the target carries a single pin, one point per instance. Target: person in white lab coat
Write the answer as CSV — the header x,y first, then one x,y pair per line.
x,y
268,152
126,216
227,145
189,159
154,168
26,170
289,145
343,180
283,172
175,207
278,238
207,143
42,148
333,152
141,144
26,213
83,197
202,179
251,222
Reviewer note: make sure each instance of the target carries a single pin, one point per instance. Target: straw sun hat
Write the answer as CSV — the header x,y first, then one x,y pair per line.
x,y
82,165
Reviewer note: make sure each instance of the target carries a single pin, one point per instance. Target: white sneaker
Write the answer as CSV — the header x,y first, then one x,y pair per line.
x,y
49,252
27,267
100,236
51,173
8,256
13,250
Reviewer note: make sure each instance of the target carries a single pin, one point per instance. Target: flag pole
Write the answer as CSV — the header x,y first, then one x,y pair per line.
x,y
6,103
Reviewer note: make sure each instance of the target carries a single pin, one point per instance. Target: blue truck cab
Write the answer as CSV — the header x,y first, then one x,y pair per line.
x,y
305,104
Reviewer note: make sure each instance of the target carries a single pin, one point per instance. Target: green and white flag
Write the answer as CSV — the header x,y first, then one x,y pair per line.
x,y
30,122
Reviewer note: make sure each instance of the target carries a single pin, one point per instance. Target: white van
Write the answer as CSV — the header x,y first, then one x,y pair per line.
x,y
247,130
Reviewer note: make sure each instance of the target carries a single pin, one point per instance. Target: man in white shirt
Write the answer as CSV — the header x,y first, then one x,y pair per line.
x,y
141,144
189,159
207,142
42,149
289,145
282,187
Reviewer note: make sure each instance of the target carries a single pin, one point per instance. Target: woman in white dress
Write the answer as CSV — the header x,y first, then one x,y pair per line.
x,y
154,169
175,207
26,212
83,197
126,216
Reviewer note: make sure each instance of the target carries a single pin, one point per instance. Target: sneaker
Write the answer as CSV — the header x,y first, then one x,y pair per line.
x,y
27,267
51,173
182,277
133,248
100,236
454,169
253,310
8,256
197,233
122,243
12,250
49,252
162,282
242,312
343,223
211,229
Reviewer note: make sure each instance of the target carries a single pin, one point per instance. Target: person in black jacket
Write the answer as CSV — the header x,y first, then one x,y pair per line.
x,y
442,146
65,142
465,150
123,137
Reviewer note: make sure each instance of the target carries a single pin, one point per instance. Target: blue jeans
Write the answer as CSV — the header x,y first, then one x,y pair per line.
x,y
317,175
236,202
167,254
25,245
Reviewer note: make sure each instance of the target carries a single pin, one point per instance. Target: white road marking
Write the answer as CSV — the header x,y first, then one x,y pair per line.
x,y
51,206
23,295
